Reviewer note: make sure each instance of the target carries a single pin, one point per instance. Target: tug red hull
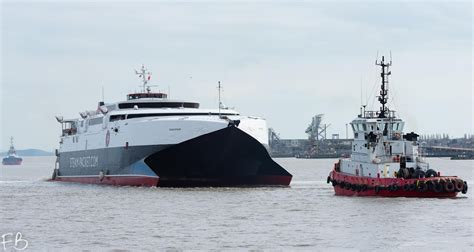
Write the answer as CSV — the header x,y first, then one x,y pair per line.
x,y
433,187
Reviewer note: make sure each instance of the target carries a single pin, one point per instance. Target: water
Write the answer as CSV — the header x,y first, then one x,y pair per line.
x,y
56,216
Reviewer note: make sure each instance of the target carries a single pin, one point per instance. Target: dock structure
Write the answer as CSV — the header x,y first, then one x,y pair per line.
x,y
444,151
317,146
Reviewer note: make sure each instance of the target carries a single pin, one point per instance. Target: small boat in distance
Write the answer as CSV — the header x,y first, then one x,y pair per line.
x,y
12,158
385,161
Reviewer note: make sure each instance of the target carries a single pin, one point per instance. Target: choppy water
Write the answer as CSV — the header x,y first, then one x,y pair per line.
x,y
307,216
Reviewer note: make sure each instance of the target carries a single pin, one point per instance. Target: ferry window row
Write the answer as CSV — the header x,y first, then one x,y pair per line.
x,y
130,116
159,105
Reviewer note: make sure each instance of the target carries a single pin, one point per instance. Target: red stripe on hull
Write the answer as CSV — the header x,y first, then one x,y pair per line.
x,y
400,193
384,183
113,180
185,182
226,182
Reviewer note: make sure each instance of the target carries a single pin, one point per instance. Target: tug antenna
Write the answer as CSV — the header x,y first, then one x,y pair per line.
x,y
383,98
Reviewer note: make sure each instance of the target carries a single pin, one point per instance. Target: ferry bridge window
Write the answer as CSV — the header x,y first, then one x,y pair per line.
x,y
130,116
159,105
114,118
69,128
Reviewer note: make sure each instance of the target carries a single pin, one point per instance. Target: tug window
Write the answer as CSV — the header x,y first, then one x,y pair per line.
x,y
400,128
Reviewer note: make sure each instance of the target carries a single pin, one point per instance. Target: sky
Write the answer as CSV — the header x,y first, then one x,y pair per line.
x,y
285,61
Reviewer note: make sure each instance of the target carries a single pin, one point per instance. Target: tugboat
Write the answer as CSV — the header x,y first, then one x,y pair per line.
x,y
385,161
12,158
151,140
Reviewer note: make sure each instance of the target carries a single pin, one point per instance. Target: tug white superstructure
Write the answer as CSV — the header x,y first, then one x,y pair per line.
x,y
387,162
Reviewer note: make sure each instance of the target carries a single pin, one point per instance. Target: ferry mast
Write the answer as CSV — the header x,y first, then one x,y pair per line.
x,y
145,75
383,98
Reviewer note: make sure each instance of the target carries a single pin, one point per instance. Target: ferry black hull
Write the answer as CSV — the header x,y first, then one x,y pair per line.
x,y
227,157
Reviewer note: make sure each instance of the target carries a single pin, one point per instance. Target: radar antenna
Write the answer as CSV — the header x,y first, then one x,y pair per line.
x,y
383,98
219,87
145,75
12,149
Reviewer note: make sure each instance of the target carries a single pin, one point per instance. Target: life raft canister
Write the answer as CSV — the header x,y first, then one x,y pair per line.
x,y
354,187
393,187
458,185
406,187
342,184
347,186
464,189
377,189
449,186
437,186
422,187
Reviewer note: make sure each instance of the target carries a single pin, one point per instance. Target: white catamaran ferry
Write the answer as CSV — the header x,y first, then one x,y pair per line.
x,y
150,140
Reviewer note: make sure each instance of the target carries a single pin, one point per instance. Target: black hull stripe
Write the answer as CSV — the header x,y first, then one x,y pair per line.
x,y
227,156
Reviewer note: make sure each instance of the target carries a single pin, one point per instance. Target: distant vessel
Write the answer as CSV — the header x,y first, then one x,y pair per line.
x,y
462,157
150,140
12,158
385,161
